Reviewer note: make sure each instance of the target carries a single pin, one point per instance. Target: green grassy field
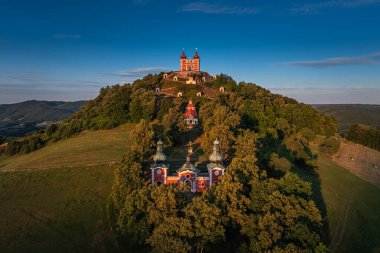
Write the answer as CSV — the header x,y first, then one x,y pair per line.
x,y
54,199
352,206
55,210
353,209
86,149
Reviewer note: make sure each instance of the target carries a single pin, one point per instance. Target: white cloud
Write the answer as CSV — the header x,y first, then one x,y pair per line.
x,y
208,8
316,7
339,61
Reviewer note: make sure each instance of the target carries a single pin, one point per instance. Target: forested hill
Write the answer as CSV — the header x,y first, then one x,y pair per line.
x,y
21,118
348,115
259,109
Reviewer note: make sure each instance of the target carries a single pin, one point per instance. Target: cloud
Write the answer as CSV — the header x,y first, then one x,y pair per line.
x,y
316,7
139,72
339,61
67,36
207,8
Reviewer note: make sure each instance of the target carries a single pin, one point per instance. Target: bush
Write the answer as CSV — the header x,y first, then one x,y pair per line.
x,y
329,146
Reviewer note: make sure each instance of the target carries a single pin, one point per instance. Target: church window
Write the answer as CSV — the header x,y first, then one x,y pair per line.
x,y
216,173
188,176
158,172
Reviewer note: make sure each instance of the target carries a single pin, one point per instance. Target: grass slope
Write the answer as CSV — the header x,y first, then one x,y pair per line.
x,y
353,208
351,204
54,199
56,210
87,148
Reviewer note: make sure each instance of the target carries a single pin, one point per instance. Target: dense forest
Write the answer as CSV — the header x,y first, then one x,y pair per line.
x,y
260,204
364,134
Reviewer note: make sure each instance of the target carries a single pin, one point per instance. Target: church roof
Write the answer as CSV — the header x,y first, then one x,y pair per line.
x,y
196,56
183,56
188,166
216,156
159,156
190,110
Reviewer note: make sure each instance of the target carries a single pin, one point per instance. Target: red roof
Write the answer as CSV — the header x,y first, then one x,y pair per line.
x,y
183,56
196,56
190,110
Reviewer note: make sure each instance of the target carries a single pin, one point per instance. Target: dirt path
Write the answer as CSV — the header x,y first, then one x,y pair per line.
x,y
360,160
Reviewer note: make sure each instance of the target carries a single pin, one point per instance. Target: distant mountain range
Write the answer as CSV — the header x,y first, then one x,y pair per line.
x,y
350,114
21,118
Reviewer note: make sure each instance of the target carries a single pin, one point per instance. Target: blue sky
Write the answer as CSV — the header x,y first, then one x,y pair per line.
x,y
314,51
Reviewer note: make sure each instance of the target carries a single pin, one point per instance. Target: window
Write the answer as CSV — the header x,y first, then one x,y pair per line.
x,y
216,173
159,172
203,184
187,176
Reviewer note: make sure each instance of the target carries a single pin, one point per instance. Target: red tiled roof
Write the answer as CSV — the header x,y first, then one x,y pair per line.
x,y
190,110
183,56
189,113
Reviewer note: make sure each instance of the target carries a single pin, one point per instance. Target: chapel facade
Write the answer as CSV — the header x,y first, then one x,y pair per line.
x,y
191,116
188,175
190,64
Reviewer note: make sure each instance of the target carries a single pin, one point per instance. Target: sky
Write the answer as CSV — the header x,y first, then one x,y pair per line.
x,y
313,51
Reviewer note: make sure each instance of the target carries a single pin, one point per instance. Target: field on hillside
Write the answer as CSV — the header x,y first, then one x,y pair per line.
x,y
56,210
347,115
352,206
360,160
353,209
86,149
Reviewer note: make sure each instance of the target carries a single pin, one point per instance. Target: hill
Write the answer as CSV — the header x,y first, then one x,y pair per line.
x,y
22,118
60,191
360,160
57,208
54,199
86,149
347,115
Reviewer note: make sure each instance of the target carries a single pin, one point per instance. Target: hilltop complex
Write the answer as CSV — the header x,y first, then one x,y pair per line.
x,y
190,71
188,175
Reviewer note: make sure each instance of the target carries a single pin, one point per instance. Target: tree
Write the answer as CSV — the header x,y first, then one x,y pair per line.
x,y
142,105
281,164
165,106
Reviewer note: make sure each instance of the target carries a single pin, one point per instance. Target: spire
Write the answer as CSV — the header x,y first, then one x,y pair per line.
x,y
188,165
159,156
216,156
196,56
183,56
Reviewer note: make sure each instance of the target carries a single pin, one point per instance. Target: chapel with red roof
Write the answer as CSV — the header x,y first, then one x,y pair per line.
x,y
191,116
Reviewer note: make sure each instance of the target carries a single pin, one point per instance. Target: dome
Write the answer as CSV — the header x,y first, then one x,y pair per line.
x,y
188,166
159,156
216,156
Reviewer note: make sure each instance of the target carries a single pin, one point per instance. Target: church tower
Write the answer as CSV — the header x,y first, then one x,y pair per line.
x,y
189,64
215,167
196,61
159,168
183,61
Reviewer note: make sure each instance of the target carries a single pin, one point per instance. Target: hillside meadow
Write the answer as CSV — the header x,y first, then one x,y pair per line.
x,y
85,149
63,209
